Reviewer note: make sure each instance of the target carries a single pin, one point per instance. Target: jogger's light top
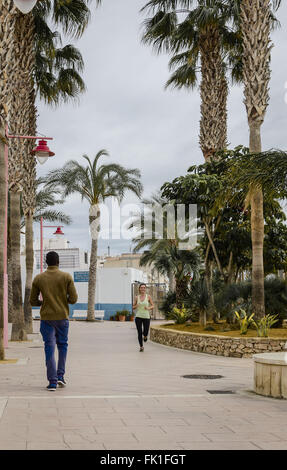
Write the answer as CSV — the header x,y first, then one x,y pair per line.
x,y
141,311
58,291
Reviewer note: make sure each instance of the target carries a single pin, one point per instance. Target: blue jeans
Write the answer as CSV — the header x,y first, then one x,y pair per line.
x,y
55,332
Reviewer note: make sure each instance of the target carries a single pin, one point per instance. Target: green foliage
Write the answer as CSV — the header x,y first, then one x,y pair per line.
x,y
198,298
264,324
179,315
244,321
235,296
167,305
95,182
123,313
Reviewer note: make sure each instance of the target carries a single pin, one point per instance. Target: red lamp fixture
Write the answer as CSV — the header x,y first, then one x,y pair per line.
x,y
42,152
59,231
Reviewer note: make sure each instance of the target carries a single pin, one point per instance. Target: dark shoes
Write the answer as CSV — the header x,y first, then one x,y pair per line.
x,y
141,349
61,382
52,387
145,339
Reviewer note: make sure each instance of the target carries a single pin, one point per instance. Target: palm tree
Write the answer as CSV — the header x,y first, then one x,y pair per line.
x,y
163,251
6,40
95,183
55,71
57,79
256,21
200,37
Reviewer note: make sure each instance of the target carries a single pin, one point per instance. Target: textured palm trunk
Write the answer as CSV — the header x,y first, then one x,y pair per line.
x,y
29,272
255,26
6,65
94,220
213,93
257,235
18,326
10,282
171,281
2,233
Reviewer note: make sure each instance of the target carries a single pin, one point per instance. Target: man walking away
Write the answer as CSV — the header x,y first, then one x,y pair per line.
x,y
58,291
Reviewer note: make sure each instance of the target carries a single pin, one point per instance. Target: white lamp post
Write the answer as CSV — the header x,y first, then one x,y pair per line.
x,y
25,6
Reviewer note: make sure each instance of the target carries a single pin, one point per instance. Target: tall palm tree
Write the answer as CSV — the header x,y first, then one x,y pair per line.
x,y
7,19
41,61
199,38
57,79
256,21
95,183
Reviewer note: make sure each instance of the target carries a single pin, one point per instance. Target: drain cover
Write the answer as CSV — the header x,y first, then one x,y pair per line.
x,y
220,392
202,376
35,347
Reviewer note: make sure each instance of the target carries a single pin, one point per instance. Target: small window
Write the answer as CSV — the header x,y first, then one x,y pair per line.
x,y
86,257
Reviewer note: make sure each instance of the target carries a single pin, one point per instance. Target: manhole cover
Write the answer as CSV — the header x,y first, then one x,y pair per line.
x,y
202,376
220,392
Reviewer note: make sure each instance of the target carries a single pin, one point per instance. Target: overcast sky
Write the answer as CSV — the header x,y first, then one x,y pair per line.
x,y
127,111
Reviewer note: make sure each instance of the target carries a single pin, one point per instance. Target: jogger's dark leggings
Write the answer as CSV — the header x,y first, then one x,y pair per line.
x,y
142,325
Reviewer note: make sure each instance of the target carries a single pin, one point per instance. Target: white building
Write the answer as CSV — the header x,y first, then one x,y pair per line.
x,y
114,285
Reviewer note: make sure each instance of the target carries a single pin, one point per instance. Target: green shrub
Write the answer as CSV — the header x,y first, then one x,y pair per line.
x,y
238,296
168,304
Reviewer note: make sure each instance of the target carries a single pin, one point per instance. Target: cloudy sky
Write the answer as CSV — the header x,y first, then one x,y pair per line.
x,y
127,111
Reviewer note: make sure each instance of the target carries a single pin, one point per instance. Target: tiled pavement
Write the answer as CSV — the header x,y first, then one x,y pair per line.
x,y
118,398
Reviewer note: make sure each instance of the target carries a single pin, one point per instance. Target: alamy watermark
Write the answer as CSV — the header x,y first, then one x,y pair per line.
x,y
146,221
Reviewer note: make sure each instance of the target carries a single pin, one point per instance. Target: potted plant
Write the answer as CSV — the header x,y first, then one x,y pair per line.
x,y
122,314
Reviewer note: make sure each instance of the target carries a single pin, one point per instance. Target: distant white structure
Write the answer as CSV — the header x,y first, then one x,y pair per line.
x,y
114,284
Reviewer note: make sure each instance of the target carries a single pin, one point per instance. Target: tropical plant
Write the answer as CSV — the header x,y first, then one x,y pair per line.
x,y
55,73
179,315
6,41
168,303
196,35
244,321
198,300
255,24
95,183
160,234
264,324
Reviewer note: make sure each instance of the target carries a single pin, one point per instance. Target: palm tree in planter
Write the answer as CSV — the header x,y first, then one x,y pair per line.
x,y
256,21
95,183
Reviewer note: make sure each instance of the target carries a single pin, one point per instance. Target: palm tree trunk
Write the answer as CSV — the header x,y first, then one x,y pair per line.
x,y
94,220
18,326
171,281
256,26
2,233
257,234
213,94
6,64
10,283
29,271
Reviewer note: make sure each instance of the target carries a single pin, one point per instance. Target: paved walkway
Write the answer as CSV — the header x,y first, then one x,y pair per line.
x,y
119,398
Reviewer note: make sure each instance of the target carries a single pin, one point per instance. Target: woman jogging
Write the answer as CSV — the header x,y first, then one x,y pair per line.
x,y
143,304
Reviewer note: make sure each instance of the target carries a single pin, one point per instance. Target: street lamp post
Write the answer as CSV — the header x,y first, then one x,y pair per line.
x,y
42,152
58,232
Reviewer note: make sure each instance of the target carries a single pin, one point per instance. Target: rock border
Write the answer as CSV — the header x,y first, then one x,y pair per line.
x,y
215,344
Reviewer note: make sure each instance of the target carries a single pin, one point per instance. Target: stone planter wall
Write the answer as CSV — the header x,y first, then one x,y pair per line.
x,y
217,345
